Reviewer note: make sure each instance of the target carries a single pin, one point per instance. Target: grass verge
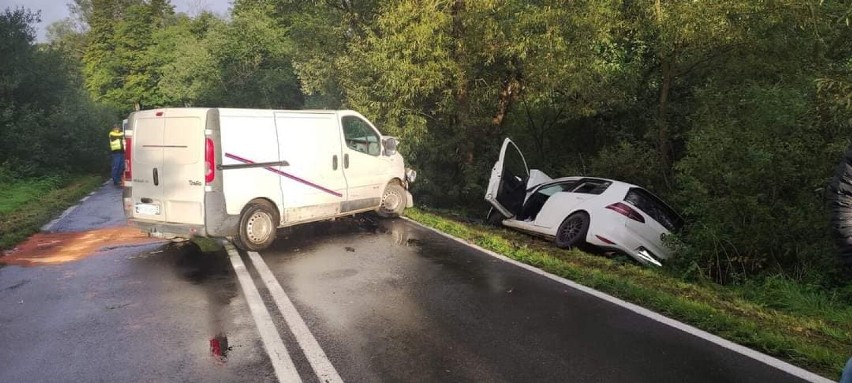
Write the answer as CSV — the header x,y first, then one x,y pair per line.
x,y
26,205
818,339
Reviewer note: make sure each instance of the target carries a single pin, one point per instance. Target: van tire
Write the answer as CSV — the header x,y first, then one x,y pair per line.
x,y
258,225
393,202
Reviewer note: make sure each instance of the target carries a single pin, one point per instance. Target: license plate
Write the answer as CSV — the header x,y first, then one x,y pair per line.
x,y
147,209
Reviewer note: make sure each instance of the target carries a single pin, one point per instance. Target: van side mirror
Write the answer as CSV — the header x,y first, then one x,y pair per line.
x,y
390,146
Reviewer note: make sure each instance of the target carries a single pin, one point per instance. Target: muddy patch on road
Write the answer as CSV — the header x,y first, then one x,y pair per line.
x,y
54,248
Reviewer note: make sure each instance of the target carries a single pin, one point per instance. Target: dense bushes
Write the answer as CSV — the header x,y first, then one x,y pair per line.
x,y
734,112
48,124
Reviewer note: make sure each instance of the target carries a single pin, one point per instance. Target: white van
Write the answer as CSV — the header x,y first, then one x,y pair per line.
x,y
243,173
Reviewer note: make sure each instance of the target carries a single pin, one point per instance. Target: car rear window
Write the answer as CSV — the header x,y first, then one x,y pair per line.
x,y
655,208
591,186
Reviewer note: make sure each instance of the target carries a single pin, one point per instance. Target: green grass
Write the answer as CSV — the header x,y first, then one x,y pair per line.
x,y
26,205
800,324
208,245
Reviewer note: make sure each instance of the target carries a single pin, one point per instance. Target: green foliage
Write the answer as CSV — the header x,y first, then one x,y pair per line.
x,y
118,67
733,112
637,163
47,124
252,62
27,204
751,183
14,193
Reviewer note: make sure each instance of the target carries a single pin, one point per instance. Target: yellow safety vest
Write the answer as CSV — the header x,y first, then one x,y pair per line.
x,y
115,141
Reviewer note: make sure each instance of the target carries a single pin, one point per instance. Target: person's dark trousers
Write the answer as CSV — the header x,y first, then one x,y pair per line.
x,y
117,167
846,376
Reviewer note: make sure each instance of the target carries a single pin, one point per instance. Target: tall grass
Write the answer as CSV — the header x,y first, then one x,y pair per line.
x,y
27,204
16,193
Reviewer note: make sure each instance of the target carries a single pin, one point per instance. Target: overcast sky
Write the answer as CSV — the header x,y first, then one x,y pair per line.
x,y
55,10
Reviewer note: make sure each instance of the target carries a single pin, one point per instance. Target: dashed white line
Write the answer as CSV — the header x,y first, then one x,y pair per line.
x,y
323,368
774,362
65,213
285,370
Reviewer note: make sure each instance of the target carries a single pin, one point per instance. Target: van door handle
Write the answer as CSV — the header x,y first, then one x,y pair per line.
x,y
346,161
156,177
334,162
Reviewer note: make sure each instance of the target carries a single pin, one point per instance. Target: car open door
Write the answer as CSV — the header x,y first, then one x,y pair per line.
x,y
508,184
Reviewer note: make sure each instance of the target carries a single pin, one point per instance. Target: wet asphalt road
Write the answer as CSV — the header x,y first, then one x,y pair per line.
x,y
386,300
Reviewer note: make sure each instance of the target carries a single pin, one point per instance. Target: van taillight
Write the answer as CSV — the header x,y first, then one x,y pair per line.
x,y
626,211
128,154
210,161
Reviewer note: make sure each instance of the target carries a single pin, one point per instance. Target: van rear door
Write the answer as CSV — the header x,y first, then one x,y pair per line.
x,y
147,159
168,166
183,166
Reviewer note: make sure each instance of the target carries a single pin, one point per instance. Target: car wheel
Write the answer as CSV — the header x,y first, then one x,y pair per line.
x,y
494,218
572,231
840,197
258,225
393,201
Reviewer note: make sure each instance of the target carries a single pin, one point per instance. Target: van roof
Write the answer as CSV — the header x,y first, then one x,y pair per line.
x,y
248,109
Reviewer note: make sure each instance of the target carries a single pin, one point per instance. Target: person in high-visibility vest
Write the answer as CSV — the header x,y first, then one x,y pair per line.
x,y
116,148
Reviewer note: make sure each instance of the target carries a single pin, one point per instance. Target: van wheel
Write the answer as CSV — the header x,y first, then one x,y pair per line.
x,y
258,225
393,201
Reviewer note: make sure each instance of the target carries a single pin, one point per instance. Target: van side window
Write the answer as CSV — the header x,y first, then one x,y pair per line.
x,y
360,136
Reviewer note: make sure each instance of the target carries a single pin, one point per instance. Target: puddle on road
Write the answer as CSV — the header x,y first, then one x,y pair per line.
x,y
55,248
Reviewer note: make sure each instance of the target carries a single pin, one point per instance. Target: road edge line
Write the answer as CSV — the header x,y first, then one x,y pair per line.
x,y
48,226
283,365
715,339
322,366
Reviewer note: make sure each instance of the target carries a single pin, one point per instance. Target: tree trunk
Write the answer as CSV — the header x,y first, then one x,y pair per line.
x,y
466,145
662,121
667,68
509,93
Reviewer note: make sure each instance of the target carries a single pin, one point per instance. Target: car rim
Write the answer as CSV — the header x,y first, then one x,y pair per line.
x,y
259,227
571,229
390,201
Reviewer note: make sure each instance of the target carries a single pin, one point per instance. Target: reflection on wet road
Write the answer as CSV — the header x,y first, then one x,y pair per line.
x,y
358,300
391,301
155,313
108,304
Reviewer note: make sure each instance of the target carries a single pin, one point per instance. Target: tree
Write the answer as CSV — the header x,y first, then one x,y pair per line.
x,y
47,124
117,67
252,57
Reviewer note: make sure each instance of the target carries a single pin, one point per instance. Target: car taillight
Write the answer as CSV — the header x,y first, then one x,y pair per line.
x,y
128,154
626,211
210,161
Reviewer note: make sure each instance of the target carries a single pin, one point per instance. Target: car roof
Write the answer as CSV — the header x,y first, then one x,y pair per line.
x,y
577,178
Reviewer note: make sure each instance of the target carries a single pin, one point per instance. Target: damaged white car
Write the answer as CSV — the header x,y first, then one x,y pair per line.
x,y
612,215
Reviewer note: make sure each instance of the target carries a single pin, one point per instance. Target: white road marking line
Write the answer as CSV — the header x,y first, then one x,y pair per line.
x,y
310,347
285,370
65,213
722,342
